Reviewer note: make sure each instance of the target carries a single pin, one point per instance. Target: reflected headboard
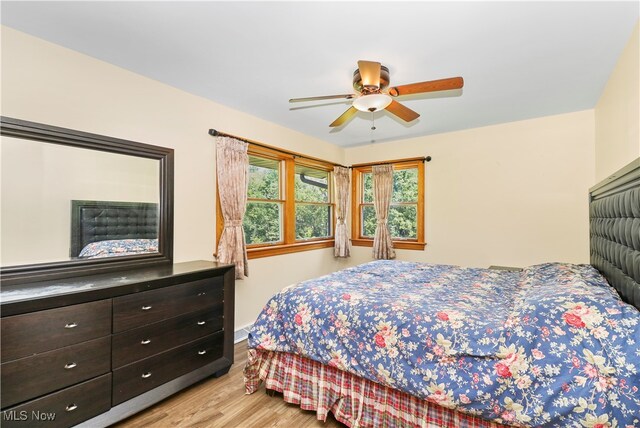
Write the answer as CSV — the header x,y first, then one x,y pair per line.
x,y
614,217
93,221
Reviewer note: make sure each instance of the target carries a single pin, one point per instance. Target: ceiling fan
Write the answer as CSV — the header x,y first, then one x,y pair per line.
x,y
371,82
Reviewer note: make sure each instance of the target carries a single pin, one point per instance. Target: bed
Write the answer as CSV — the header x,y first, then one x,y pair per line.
x,y
112,228
393,343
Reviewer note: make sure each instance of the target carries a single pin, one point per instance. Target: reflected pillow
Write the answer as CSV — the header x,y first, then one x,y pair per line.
x,y
119,247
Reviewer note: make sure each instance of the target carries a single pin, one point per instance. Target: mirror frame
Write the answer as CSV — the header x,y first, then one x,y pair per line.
x,y
23,129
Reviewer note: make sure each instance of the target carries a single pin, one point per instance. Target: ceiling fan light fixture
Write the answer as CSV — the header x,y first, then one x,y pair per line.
x,y
372,102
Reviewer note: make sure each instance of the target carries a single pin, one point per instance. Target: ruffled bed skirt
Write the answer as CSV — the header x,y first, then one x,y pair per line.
x,y
354,401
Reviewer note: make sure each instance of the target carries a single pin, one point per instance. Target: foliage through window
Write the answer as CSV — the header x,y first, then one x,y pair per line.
x,y
406,212
263,218
289,204
313,207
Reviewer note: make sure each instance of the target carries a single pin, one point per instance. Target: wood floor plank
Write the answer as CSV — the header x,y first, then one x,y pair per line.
x,y
222,402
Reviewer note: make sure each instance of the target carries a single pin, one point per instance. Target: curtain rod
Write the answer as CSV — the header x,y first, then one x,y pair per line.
x,y
216,133
390,162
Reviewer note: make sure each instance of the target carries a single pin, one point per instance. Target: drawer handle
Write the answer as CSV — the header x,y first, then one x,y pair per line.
x,y
202,352
146,375
202,294
69,366
71,325
71,407
202,322
146,308
145,342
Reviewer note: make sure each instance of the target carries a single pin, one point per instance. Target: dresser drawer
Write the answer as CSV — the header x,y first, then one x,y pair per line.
x,y
139,309
64,408
136,378
28,334
30,377
143,342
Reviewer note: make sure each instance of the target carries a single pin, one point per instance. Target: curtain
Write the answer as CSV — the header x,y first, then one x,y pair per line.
x,y
382,190
341,179
232,166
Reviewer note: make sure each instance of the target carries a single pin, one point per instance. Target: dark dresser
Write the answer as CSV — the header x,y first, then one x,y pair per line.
x,y
95,349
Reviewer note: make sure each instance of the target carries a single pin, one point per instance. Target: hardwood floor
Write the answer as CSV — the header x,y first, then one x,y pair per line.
x,y
222,402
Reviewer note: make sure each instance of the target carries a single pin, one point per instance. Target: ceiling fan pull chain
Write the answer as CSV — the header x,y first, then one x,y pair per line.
x,y
373,119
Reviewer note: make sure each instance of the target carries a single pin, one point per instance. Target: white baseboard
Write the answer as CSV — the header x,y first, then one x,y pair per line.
x,y
241,334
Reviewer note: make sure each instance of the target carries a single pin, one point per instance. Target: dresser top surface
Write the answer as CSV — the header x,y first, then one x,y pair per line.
x,y
103,285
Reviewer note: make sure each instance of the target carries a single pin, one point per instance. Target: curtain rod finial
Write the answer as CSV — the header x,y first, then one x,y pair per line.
x,y
428,158
213,132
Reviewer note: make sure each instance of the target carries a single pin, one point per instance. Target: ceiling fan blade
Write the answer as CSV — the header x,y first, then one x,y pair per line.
x,y
430,86
324,97
370,73
351,111
402,112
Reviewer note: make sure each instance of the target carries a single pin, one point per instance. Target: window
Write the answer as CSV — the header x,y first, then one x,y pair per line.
x,y
263,218
314,212
406,212
289,204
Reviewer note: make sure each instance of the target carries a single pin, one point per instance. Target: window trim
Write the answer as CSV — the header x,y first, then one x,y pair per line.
x,y
289,244
331,202
356,202
280,200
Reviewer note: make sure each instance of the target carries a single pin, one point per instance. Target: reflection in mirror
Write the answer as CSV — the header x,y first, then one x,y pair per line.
x,y
39,183
73,202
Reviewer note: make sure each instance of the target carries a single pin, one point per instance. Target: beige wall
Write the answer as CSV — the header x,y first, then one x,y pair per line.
x,y
46,83
511,194
617,114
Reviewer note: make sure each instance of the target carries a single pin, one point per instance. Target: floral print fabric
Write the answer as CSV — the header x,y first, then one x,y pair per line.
x,y
232,167
552,345
341,181
119,247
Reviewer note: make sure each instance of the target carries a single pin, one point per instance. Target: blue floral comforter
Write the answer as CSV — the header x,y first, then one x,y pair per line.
x,y
552,345
119,247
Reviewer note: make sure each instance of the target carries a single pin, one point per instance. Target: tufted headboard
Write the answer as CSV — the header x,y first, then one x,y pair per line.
x,y
614,214
93,221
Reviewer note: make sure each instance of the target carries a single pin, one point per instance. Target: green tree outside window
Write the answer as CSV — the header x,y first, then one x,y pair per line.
x,y
403,212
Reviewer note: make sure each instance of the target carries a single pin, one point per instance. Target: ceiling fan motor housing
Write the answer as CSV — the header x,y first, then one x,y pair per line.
x,y
364,90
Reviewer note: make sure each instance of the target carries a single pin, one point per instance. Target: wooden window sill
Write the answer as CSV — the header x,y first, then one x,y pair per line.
x,y
278,249
400,245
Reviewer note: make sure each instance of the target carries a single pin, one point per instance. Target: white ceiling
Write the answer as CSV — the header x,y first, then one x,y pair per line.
x,y
519,60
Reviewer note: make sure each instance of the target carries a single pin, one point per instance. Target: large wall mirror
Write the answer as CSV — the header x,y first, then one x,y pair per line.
x,y
74,203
